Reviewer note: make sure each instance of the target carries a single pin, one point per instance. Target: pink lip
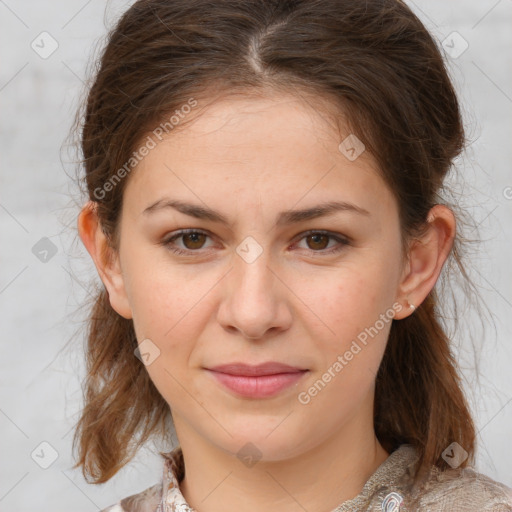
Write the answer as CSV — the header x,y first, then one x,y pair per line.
x,y
259,381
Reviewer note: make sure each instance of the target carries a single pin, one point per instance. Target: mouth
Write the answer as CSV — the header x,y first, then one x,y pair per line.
x,y
257,381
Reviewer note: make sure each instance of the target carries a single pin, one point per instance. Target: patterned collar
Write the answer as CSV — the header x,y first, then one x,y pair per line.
x,y
387,482
391,488
174,471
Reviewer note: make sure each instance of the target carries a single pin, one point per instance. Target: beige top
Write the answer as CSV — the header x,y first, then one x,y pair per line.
x,y
389,489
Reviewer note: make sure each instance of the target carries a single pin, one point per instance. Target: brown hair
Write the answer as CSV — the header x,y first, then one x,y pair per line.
x,y
379,67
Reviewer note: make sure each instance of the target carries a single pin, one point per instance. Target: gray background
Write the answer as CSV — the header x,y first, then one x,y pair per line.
x,y
40,294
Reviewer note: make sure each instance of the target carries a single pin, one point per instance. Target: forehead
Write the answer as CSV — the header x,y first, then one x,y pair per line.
x,y
241,121
246,148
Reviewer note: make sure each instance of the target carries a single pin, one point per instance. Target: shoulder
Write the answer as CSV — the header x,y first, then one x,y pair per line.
x,y
145,501
464,490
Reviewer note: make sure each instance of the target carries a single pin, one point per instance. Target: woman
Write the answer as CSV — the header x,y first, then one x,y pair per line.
x,y
264,212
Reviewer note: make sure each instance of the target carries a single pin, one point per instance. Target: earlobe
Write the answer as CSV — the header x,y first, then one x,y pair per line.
x,y
426,257
105,259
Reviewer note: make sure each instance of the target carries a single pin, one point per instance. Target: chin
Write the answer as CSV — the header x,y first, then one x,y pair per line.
x,y
263,444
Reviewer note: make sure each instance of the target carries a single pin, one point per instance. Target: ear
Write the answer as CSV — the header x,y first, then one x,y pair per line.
x,y
105,258
426,257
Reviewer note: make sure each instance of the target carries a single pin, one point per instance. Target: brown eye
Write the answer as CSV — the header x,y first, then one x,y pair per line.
x,y
319,241
193,240
323,242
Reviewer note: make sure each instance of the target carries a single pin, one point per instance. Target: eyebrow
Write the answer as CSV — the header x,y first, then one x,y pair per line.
x,y
284,217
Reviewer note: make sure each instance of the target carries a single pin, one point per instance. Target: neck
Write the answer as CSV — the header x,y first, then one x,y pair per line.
x,y
318,479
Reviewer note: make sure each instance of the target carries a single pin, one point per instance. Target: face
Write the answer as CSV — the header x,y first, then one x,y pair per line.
x,y
252,281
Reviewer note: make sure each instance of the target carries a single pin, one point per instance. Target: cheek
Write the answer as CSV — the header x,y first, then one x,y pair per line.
x,y
167,309
360,314
355,309
349,300
163,298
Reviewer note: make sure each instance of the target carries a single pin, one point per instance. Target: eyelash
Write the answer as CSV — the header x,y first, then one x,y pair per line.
x,y
181,252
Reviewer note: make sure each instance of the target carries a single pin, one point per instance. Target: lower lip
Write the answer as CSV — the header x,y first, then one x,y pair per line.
x,y
262,386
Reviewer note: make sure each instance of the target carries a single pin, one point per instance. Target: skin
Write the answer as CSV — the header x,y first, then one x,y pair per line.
x,y
250,158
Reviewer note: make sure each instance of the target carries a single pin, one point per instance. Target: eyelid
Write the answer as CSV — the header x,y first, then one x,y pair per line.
x,y
342,242
336,236
166,242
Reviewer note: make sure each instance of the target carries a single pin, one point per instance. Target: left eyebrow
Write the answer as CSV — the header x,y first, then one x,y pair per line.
x,y
284,217
321,210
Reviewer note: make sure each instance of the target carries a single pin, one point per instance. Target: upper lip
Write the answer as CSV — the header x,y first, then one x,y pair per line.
x,y
270,368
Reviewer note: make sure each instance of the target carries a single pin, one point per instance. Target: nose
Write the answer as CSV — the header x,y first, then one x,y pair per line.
x,y
255,300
